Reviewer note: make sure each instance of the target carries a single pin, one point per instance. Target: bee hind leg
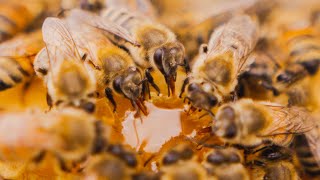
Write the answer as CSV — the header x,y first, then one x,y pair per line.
x,y
109,96
151,81
183,88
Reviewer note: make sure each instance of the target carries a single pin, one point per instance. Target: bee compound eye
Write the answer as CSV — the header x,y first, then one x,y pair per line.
x,y
234,158
171,158
115,149
231,131
130,159
212,100
89,107
158,56
117,84
192,87
215,158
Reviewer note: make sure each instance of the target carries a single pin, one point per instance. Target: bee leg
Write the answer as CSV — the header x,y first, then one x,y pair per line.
x,y
109,96
39,157
49,101
63,164
186,65
268,86
183,88
150,80
146,90
4,86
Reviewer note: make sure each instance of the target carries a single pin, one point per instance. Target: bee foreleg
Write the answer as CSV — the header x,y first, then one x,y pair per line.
x,y
150,80
268,86
109,96
49,101
185,82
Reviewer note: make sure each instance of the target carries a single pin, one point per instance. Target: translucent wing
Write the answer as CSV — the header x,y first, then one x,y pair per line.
x,y
59,40
293,120
239,36
102,24
88,39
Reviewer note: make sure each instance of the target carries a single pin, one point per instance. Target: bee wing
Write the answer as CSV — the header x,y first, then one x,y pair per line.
x,y
144,7
293,120
88,39
58,40
102,24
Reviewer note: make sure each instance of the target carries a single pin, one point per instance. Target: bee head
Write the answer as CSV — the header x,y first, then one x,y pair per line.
x,y
129,84
200,98
225,125
167,58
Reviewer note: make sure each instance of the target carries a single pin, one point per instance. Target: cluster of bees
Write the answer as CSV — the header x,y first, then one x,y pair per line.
x,y
246,70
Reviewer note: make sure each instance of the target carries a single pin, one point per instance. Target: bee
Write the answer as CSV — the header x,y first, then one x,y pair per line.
x,y
303,56
272,162
16,57
261,74
62,68
307,149
214,75
114,69
159,48
115,163
179,153
69,134
249,124
17,16
225,164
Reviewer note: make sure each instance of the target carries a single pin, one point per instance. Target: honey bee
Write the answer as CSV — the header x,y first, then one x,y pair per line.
x,y
62,68
225,164
17,16
303,51
272,162
69,134
114,69
248,123
180,153
159,49
261,74
16,57
116,163
214,75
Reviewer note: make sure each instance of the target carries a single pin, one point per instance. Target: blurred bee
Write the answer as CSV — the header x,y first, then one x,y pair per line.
x,y
114,69
259,79
62,68
304,56
307,149
248,123
16,58
69,134
225,164
214,75
272,162
180,162
16,16
115,163
159,49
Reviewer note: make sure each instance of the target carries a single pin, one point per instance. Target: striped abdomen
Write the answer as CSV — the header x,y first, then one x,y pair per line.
x,y
13,19
305,50
13,72
305,156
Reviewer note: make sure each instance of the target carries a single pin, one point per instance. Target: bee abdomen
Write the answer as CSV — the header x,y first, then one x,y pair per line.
x,y
11,73
305,156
